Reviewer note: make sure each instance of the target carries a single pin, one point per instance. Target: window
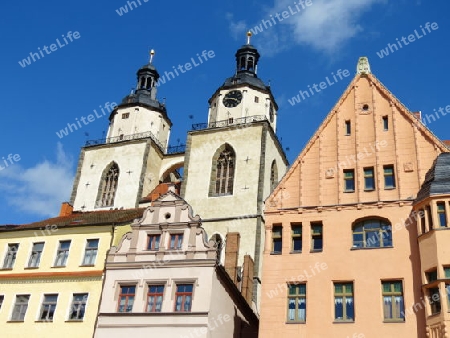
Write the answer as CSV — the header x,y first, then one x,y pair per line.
x,y
393,306
62,253
1,301
431,275
125,115
349,180
10,257
385,123
108,185
35,256
176,240
154,298
442,217
126,298
447,289
389,177
78,307
277,239
20,308
48,307
447,272
316,236
90,253
430,217
256,99
296,237
273,176
435,300
348,127
422,221
369,179
223,171
372,233
343,302
153,242
297,303
183,298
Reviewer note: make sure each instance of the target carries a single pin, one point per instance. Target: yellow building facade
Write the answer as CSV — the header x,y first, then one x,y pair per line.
x,y
51,273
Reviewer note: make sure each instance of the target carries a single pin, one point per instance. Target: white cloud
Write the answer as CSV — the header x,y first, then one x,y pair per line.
x,y
40,189
326,25
237,28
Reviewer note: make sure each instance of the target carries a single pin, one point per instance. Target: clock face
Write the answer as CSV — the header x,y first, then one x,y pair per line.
x,y
232,98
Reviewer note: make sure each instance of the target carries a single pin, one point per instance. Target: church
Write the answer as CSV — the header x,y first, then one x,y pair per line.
x,y
170,218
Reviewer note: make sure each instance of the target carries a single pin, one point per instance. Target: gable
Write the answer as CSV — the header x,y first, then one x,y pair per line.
x,y
316,176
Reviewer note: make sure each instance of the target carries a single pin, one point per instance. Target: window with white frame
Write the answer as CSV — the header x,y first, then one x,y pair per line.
x,y
63,253
90,253
35,256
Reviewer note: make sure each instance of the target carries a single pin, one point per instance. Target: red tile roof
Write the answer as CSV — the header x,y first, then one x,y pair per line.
x,y
83,218
447,143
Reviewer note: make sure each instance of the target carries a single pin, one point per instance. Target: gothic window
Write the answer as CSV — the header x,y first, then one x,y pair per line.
x,y
222,177
108,185
273,176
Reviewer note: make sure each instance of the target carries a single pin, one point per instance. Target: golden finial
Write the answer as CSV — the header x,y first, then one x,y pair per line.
x,y
249,35
152,54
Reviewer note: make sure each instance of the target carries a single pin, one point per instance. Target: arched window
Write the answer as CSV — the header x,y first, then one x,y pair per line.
x,y
108,185
250,63
273,176
242,63
372,233
222,174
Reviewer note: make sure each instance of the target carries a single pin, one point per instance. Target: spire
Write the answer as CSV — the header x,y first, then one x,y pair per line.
x,y
147,77
247,58
363,66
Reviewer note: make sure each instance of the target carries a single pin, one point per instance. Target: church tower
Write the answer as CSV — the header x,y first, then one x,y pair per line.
x,y
234,160
116,172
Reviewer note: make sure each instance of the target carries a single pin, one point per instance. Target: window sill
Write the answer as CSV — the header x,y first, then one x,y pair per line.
x,y
389,188
74,321
222,195
87,265
296,322
6,269
31,268
394,321
15,321
371,248
58,267
275,253
369,190
316,250
343,322
43,321
296,252
349,191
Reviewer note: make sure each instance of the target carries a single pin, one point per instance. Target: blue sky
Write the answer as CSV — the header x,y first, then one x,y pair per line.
x,y
77,76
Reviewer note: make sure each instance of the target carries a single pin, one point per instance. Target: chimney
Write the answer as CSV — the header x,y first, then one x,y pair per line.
x,y
231,255
66,209
247,279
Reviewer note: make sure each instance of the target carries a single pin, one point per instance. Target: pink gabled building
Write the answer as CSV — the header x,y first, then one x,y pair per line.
x,y
165,280
344,254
